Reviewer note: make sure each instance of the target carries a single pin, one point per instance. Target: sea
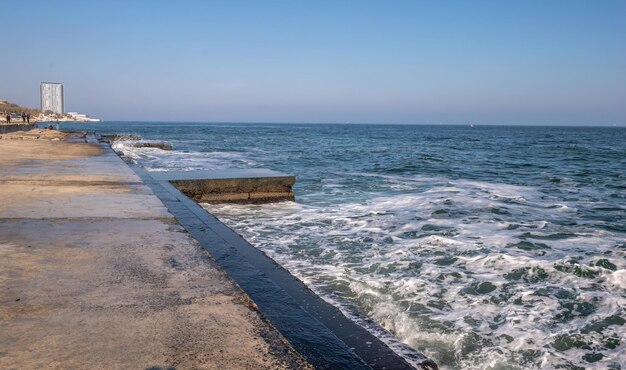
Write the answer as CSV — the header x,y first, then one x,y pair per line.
x,y
485,247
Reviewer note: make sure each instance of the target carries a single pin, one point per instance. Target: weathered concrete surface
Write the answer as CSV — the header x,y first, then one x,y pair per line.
x,y
95,273
232,186
42,134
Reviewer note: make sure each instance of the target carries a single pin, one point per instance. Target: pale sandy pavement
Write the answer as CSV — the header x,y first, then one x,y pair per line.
x,y
95,273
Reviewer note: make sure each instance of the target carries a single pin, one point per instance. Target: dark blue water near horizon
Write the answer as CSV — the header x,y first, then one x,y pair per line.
x,y
487,247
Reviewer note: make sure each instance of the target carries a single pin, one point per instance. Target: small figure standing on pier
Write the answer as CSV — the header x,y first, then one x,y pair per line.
x,y
9,118
23,117
28,118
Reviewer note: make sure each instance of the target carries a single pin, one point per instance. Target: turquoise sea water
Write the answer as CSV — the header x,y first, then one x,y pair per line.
x,y
485,247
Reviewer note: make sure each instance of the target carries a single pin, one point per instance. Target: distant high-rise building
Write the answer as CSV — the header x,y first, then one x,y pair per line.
x,y
52,97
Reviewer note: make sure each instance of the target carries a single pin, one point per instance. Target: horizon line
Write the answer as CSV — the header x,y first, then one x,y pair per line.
x,y
373,123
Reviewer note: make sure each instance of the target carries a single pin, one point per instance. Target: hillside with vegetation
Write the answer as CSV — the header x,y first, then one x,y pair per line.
x,y
8,107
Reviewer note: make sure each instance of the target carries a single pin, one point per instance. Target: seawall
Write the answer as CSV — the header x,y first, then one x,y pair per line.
x,y
95,272
12,127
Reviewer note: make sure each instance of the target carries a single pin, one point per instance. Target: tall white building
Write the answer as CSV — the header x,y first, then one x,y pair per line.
x,y
52,97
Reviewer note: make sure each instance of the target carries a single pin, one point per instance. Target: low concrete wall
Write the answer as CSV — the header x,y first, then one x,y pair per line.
x,y
4,128
232,186
246,190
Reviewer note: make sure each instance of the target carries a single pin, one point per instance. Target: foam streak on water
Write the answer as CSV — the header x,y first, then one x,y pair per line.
x,y
485,247
154,159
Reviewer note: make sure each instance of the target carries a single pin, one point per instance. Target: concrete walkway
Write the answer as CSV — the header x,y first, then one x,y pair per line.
x,y
95,273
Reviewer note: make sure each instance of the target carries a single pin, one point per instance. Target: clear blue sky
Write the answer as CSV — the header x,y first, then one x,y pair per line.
x,y
484,62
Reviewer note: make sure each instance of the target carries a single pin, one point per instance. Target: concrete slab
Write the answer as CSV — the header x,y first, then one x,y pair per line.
x,y
257,185
245,173
46,160
52,199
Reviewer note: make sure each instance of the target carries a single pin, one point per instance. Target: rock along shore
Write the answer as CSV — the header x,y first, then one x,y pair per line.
x,y
96,273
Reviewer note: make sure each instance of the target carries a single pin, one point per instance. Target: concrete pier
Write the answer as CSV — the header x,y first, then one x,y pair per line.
x,y
96,273
232,186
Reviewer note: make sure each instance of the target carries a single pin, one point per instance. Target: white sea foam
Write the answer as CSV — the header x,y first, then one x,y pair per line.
x,y
477,275
155,159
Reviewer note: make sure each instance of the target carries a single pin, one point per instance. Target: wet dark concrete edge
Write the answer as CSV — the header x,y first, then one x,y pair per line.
x,y
318,330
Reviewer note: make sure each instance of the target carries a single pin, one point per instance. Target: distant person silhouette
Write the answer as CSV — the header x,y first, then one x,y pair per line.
x,y
28,118
9,118
23,117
